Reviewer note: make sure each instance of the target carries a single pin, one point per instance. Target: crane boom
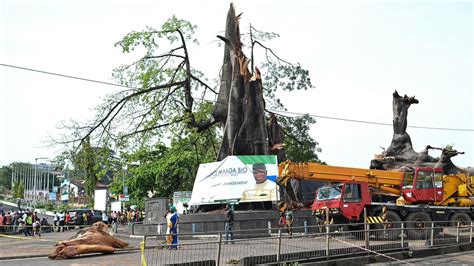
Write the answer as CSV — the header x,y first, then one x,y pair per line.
x,y
386,181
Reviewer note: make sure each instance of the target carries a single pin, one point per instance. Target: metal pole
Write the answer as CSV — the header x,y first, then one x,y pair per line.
x,y
34,184
432,234
219,246
457,232
366,229
327,233
403,236
279,245
470,234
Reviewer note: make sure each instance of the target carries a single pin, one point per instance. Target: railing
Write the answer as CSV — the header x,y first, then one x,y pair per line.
x,y
277,246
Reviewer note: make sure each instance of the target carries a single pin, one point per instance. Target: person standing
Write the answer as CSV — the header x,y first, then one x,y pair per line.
x,y
61,220
229,224
105,218
67,219
37,228
55,220
289,220
28,224
174,220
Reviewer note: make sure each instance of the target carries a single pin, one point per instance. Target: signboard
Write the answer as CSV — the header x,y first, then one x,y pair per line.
x,y
52,196
236,179
182,196
100,199
116,206
123,197
65,196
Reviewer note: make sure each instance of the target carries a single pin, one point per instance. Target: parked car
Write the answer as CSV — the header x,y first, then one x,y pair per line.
x,y
77,216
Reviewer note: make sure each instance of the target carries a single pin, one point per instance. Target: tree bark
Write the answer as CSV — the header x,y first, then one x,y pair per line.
x,y
400,155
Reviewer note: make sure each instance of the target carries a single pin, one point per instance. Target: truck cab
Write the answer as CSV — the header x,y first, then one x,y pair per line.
x,y
424,185
344,201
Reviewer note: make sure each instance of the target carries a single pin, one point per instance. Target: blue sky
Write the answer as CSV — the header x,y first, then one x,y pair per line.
x,y
358,53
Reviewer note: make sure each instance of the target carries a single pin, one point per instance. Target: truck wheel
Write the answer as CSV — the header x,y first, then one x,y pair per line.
x,y
462,218
390,229
418,225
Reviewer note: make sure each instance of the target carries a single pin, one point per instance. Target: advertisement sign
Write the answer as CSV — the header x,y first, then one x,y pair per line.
x,y
249,178
100,199
123,197
52,196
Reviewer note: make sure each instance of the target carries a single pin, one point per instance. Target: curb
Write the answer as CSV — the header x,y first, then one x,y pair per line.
x,y
119,251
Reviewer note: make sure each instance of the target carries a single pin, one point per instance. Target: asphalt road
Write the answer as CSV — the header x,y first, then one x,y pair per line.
x,y
461,258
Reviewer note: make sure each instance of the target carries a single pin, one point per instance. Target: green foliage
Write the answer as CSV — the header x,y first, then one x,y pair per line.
x,y
86,160
18,190
63,208
5,177
300,147
150,37
50,206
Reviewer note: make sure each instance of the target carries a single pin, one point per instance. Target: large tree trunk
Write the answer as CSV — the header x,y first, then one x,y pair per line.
x,y
401,147
400,155
240,106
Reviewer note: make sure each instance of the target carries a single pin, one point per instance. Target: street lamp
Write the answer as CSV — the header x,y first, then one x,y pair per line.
x,y
35,179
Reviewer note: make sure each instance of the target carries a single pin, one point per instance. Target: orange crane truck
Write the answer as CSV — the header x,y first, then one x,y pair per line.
x,y
415,198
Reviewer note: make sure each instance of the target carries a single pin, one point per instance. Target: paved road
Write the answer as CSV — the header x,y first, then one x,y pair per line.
x,y
461,258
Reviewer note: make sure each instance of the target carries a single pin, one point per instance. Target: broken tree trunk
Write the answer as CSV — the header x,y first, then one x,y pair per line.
x,y
240,105
400,155
94,239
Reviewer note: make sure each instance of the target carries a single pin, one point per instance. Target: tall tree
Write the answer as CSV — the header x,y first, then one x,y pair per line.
x,y
86,160
167,96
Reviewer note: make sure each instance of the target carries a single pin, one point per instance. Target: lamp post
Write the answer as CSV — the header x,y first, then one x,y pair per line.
x,y
35,179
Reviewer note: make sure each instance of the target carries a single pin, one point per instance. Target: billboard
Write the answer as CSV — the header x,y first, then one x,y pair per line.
x,y
100,199
247,178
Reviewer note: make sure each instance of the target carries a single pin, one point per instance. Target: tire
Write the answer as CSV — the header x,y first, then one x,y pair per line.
x,y
463,218
392,226
418,225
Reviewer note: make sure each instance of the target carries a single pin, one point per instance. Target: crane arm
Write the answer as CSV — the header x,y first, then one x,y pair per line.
x,y
386,181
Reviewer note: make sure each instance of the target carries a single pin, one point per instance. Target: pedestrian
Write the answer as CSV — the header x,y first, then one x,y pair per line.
x,y
105,218
28,224
67,219
174,220
229,224
84,218
37,228
55,220
61,222
289,220
282,220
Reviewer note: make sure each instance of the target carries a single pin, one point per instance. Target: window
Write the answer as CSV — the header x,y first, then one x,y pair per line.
x,y
408,180
424,179
328,193
438,178
352,193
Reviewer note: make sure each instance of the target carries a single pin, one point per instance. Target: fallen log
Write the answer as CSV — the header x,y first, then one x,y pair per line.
x,y
94,239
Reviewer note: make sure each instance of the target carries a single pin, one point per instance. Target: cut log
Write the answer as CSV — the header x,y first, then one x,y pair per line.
x,y
94,239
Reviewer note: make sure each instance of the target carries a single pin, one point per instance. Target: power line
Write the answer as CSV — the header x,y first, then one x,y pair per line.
x,y
276,111
65,76
371,122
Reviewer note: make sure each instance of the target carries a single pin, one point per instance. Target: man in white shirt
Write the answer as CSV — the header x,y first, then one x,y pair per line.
x,y
264,189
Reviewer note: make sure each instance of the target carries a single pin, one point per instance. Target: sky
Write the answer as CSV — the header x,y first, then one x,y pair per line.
x,y
358,53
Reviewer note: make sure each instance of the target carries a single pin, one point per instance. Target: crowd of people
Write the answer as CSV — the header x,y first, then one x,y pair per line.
x,y
30,224
26,222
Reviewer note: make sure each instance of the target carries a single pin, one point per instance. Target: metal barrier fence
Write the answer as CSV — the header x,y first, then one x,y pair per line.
x,y
279,247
